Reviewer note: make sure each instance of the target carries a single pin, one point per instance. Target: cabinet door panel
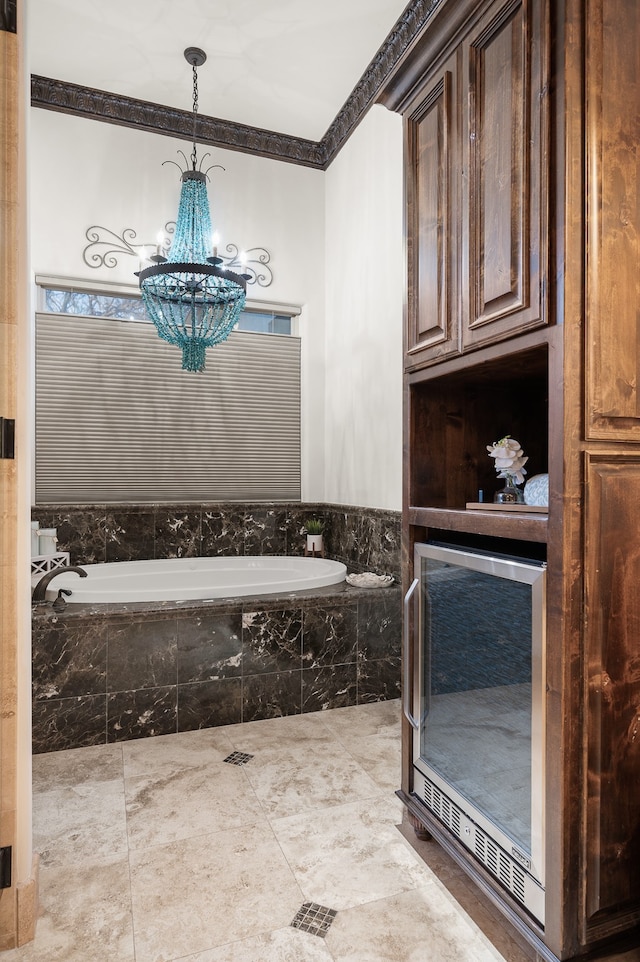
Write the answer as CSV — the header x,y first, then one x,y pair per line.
x,y
613,197
430,134
612,616
504,208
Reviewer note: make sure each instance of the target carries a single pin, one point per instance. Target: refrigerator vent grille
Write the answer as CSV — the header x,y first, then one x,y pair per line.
x,y
505,869
442,806
500,864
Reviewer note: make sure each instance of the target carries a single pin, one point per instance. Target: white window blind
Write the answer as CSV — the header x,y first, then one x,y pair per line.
x,y
117,419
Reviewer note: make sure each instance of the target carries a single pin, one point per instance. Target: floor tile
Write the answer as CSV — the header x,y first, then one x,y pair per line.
x,y
170,753
219,798
358,720
158,845
284,740
79,824
433,930
85,916
350,854
319,781
380,756
55,770
283,945
202,892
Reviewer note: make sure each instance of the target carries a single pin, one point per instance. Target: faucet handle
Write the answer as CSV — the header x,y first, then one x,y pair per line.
x,y
60,604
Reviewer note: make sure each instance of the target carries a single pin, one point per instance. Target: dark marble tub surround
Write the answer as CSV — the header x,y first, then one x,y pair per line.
x,y
177,532
81,532
68,658
271,640
141,713
142,654
330,636
365,539
130,534
210,646
222,530
113,672
272,695
110,673
379,627
269,531
209,704
73,722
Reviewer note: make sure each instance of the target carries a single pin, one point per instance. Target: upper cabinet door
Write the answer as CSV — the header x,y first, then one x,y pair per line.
x,y
504,184
432,151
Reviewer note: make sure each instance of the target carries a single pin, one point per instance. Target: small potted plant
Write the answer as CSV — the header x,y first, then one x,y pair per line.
x,y
314,529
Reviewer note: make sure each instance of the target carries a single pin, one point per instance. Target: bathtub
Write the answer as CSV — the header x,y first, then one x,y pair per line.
x,y
188,579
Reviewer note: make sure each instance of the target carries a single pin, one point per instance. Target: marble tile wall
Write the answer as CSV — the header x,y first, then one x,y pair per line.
x,y
365,539
107,677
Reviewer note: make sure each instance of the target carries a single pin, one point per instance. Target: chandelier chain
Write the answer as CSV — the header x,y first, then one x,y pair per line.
x,y
194,157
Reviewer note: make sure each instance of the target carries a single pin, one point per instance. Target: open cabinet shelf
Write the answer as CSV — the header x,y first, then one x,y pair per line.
x,y
454,415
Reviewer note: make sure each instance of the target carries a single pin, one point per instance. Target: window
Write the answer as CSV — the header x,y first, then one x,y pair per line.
x,y
117,419
129,307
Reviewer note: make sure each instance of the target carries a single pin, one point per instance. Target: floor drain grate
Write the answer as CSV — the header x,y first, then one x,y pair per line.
x,y
238,758
313,918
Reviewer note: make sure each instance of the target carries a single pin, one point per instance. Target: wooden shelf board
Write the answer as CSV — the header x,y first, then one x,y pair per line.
x,y
527,526
510,508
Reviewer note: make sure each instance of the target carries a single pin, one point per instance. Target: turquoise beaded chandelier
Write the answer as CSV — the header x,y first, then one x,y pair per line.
x,y
193,302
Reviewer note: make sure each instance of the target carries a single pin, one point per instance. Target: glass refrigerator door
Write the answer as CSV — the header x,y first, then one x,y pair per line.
x,y
480,694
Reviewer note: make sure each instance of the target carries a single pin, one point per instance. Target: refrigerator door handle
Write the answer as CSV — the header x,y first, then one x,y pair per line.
x,y
406,651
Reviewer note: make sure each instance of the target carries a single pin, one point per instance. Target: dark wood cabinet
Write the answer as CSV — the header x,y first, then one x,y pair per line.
x,y
522,148
475,136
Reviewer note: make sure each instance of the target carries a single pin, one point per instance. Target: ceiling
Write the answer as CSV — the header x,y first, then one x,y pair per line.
x,y
280,65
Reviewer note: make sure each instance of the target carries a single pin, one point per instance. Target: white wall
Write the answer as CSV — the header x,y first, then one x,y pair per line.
x,y
335,241
85,173
364,309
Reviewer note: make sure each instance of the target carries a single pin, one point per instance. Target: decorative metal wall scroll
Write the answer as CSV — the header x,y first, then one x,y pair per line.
x,y
257,266
105,247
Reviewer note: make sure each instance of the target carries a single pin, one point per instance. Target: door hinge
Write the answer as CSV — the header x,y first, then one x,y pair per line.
x,y
8,15
7,438
5,867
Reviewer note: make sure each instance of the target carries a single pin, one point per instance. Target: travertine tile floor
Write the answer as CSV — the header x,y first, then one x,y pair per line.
x,y
160,850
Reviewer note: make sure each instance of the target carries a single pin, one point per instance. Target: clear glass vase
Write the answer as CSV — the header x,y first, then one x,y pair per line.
x,y
510,494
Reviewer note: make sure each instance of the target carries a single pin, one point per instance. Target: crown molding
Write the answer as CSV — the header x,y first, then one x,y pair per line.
x,y
371,86
112,108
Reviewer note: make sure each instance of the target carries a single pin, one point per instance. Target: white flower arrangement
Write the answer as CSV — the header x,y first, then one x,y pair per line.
x,y
509,459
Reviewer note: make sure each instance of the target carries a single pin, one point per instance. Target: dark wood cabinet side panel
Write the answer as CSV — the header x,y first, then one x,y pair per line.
x,y
612,564
613,196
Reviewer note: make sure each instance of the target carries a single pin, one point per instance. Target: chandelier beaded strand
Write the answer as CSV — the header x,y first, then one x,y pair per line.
x,y
193,302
